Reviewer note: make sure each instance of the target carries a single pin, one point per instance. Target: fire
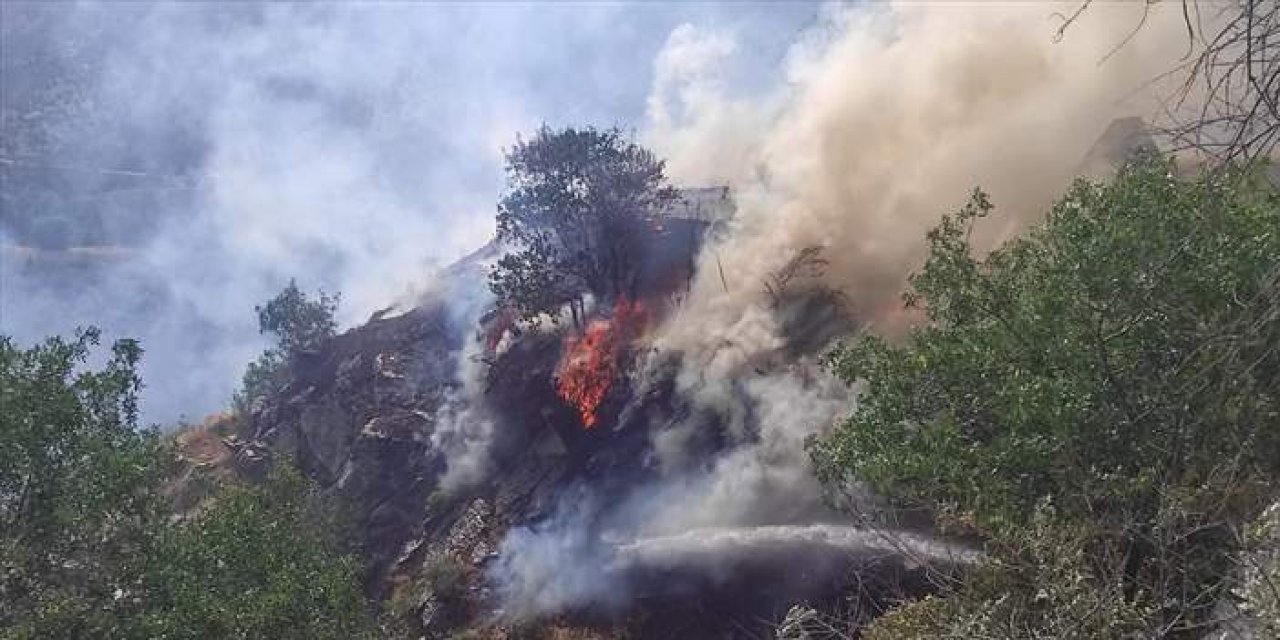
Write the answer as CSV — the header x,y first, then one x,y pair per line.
x,y
590,363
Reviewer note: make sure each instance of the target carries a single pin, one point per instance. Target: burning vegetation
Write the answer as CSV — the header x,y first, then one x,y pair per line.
x,y
590,215
591,361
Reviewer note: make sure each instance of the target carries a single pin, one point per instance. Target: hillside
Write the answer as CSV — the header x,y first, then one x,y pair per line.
x,y
640,321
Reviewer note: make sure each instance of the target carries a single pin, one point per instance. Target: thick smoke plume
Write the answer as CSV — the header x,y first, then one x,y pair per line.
x,y
890,115
358,148
572,559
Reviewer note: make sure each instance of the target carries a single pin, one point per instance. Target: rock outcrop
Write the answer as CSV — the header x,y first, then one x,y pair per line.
x,y
358,418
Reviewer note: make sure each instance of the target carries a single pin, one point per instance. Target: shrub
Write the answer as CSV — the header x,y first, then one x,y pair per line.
x,y
1119,362
299,324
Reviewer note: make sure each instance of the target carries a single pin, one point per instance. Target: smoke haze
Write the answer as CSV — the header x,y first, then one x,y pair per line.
x,y
886,118
358,148
220,149
891,115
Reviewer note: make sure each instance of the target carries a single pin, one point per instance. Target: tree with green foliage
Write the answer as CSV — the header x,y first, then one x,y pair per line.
x,y
89,547
1118,368
259,562
579,205
78,485
299,324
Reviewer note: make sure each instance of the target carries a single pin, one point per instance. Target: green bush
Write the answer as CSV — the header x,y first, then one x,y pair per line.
x,y
78,486
299,324
1040,583
1120,361
88,548
258,562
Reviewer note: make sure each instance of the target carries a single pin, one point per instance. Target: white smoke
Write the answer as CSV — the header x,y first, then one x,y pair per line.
x,y
228,147
888,117
358,148
464,430
579,556
764,477
559,564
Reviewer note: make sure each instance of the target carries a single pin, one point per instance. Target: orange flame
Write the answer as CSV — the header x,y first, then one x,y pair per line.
x,y
589,364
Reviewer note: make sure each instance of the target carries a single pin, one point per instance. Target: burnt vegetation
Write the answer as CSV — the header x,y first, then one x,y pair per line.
x,y
1222,97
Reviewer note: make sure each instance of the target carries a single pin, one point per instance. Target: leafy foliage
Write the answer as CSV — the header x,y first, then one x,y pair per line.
x,y
261,553
1121,361
1042,584
88,549
299,324
578,202
77,483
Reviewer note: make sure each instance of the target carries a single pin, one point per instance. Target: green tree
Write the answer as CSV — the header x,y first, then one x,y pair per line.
x,y
259,562
89,549
1120,363
299,324
579,203
78,484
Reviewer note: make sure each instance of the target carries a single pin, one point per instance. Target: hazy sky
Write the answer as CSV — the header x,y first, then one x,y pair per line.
x,y
353,146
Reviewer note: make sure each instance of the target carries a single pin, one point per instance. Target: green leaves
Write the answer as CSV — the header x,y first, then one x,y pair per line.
x,y
299,324
259,562
578,204
89,550
76,484
1077,348
1120,362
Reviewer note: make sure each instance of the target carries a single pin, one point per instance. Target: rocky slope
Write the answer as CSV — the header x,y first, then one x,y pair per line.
x,y
444,430
364,417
